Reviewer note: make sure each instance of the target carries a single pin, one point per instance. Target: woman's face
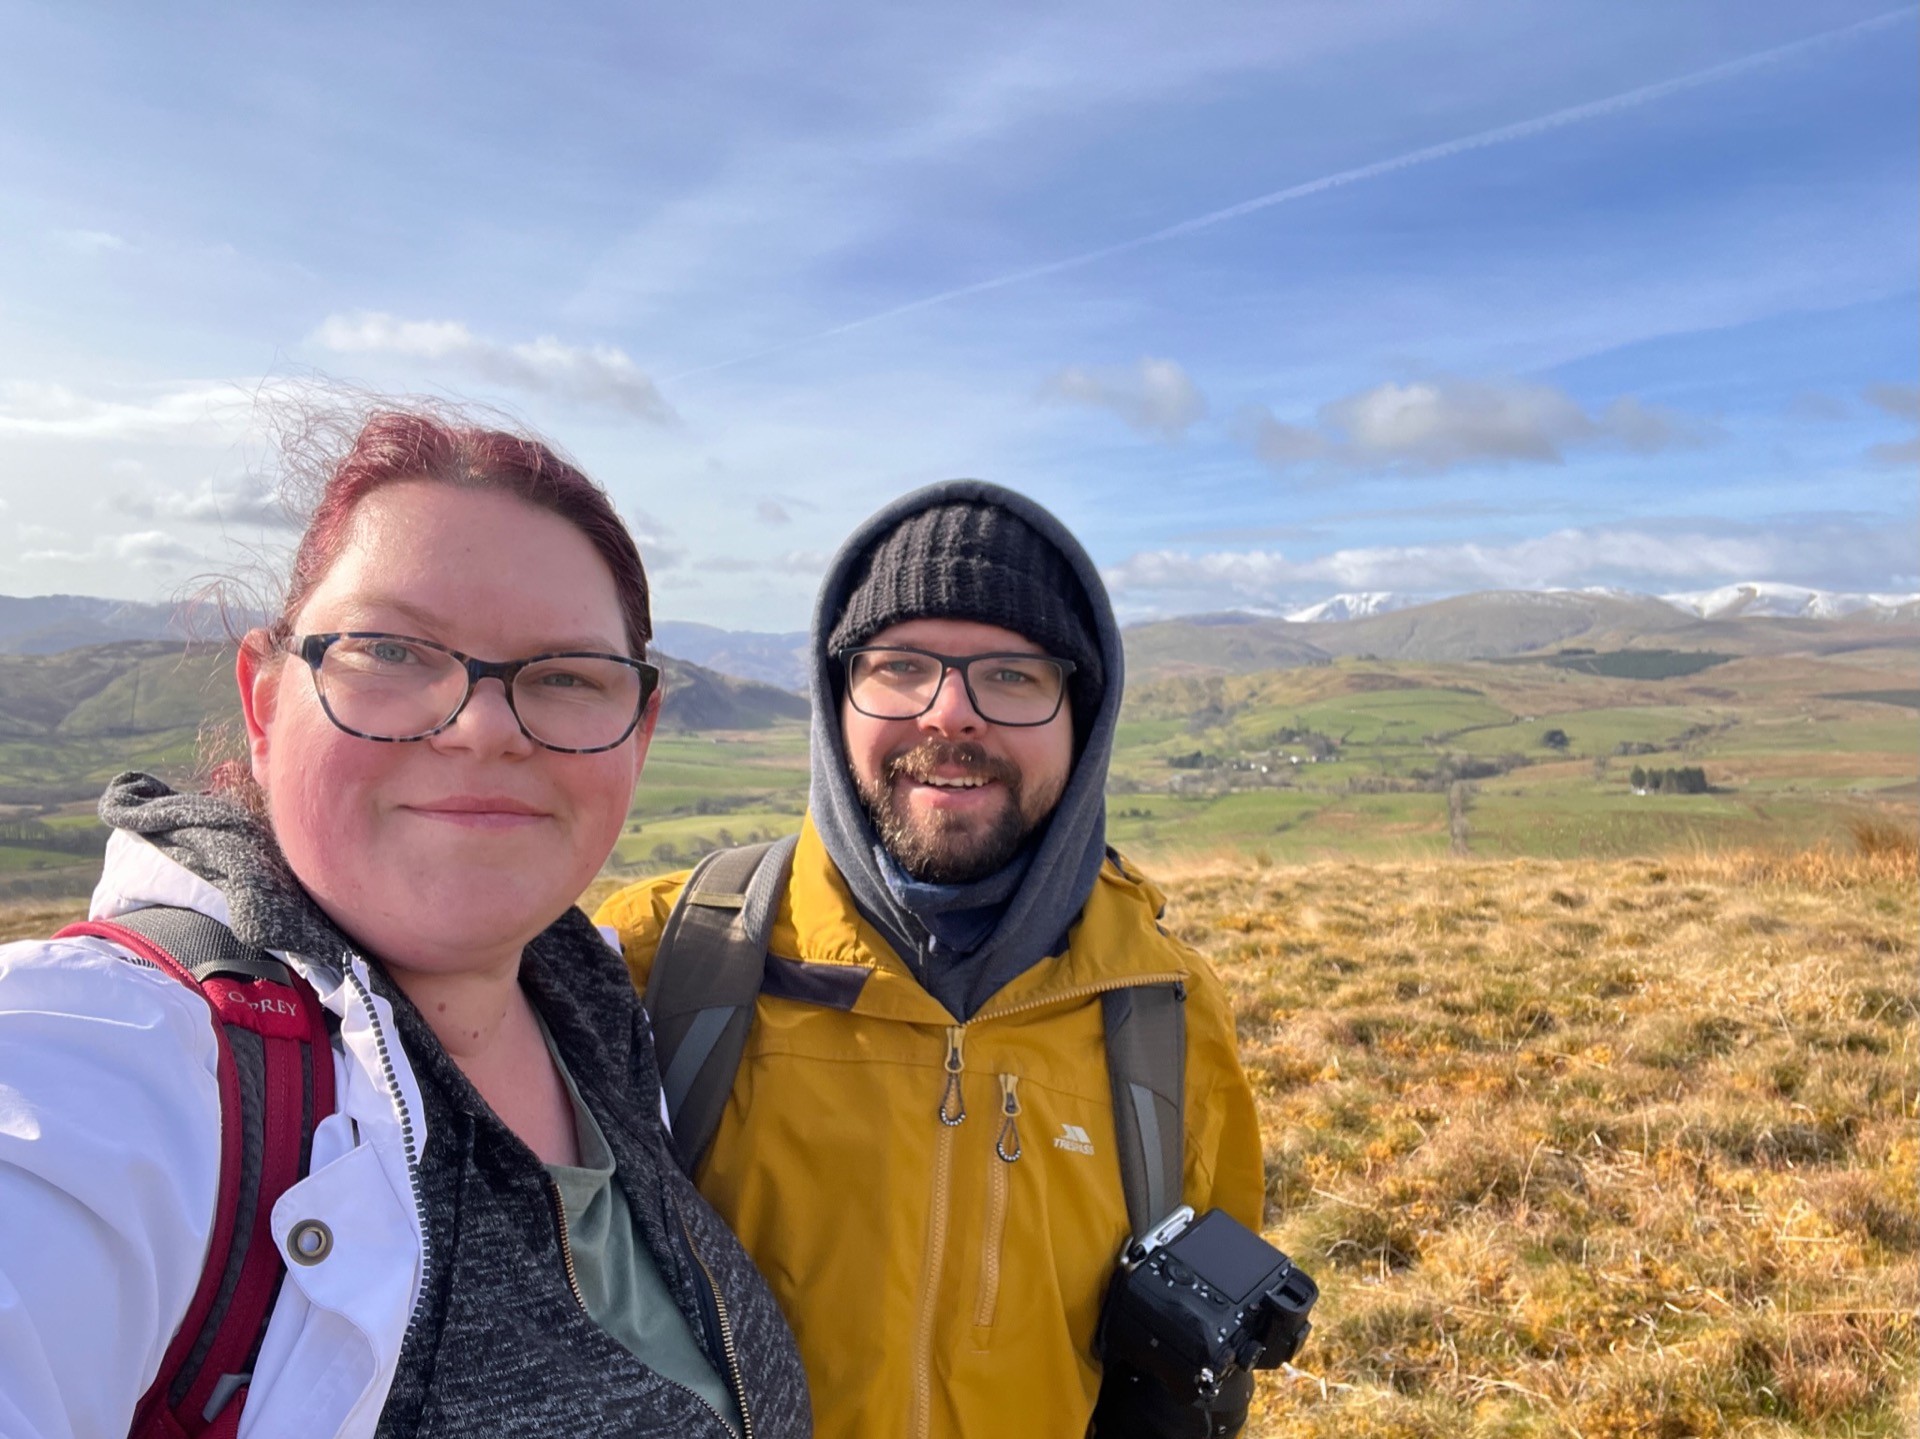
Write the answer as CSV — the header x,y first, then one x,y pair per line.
x,y
449,852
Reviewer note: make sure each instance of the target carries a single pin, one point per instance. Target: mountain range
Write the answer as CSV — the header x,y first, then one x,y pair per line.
x,y
1756,617
48,624
1501,624
1753,598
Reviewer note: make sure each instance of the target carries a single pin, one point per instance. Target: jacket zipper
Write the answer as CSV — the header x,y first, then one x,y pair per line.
x,y
727,1345
1084,991
1007,1146
953,1102
409,1145
952,1113
566,1244
719,1306
936,1250
1010,1115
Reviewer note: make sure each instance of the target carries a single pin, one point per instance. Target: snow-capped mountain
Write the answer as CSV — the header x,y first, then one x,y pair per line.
x,y
1754,599
1765,598
1352,607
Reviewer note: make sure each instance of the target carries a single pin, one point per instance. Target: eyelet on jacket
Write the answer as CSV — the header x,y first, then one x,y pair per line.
x,y
309,1242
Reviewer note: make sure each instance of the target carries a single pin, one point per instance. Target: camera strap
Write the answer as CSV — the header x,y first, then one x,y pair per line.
x,y
1147,1066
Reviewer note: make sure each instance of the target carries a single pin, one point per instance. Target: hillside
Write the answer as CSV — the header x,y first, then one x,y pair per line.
x,y
1498,624
1585,1150
69,721
698,698
47,624
1717,733
774,659
1220,644
1575,1150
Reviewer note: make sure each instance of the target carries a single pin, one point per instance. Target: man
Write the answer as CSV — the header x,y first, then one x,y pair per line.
x,y
920,1145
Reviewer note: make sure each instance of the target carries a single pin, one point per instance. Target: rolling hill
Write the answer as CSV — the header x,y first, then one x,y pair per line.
x,y
1500,624
48,624
68,721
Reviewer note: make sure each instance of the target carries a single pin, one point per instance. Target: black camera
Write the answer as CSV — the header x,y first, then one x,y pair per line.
x,y
1197,1299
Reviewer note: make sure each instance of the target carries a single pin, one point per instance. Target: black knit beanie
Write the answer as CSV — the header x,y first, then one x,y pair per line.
x,y
979,562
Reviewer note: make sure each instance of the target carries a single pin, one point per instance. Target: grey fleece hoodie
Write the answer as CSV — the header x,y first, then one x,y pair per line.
x,y
498,1345
1061,862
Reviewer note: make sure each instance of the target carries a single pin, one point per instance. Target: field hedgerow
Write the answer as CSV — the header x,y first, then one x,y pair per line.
x,y
1605,1150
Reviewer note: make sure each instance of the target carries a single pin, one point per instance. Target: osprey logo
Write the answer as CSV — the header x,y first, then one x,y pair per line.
x,y
1073,1137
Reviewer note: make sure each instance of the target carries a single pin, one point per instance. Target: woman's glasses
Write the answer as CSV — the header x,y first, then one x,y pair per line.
x,y
395,688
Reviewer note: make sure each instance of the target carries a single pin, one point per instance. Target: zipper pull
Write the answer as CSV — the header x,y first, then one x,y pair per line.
x,y
953,1104
1010,1110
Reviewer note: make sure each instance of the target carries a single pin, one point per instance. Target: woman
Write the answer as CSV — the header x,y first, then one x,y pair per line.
x,y
509,1248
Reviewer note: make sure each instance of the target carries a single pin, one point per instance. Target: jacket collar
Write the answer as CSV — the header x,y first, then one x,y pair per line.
x,y
1117,941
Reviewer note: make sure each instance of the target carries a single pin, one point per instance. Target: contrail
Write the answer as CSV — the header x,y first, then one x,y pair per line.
x,y
1502,135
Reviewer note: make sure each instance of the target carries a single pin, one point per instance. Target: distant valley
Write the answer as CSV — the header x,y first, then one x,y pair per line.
x,y
1555,724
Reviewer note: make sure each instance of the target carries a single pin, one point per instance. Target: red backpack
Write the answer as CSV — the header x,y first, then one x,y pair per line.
x,y
276,1085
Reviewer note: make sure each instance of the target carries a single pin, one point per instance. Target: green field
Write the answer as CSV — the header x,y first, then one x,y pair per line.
x,y
1357,759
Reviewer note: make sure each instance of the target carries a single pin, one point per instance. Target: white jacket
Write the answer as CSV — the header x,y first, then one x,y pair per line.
x,y
109,1167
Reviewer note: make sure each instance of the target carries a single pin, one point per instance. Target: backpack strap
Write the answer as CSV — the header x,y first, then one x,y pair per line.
x,y
275,1072
706,979
1147,1066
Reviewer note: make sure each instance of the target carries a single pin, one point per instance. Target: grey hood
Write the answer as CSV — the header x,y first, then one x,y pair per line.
x,y
1061,866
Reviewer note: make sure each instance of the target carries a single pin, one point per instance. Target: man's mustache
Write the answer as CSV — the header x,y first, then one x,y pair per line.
x,y
920,763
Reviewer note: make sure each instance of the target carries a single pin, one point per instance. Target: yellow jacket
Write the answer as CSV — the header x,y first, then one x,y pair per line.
x,y
936,1287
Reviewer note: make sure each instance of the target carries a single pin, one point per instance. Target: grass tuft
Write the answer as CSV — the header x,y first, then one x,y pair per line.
x,y
1619,1148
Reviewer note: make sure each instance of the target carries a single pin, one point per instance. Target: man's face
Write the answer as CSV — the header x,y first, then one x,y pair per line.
x,y
952,796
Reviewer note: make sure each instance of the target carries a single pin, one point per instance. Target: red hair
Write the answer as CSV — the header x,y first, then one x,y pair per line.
x,y
395,445
415,444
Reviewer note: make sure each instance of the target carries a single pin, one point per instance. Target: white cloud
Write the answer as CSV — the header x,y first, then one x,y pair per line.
x,y
653,537
1154,396
195,411
1903,403
809,564
600,377
1900,401
771,512
248,505
1173,581
147,549
91,242
1427,426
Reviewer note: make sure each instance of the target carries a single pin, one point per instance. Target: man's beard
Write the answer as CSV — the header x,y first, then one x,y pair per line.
x,y
944,849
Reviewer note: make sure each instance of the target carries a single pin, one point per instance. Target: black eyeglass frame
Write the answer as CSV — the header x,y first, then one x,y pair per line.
x,y
313,649
950,664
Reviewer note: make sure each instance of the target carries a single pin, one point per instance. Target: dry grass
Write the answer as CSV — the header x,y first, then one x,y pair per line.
x,y
1595,1150
1587,1149
36,918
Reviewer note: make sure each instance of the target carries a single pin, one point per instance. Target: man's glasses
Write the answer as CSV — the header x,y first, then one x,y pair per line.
x,y
395,688
894,682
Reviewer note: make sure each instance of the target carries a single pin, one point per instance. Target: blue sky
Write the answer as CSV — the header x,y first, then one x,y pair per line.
x,y
1267,301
